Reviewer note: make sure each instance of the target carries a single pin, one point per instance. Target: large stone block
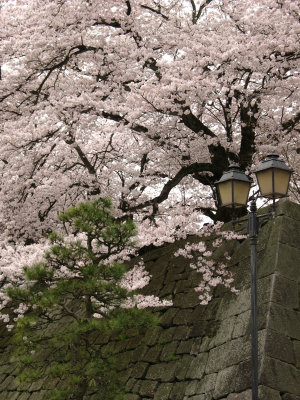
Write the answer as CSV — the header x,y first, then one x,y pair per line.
x,y
184,317
51,383
163,391
181,332
279,346
24,396
148,388
3,378
185,285
136,354
206,344
241,273
173,276
153,354
207,396
164,372
186,300
130,384
244,372
207,384
128,344
185,347
240,252
179,264
243,376
209,311
289,231
283,259
227,354
198,329
197,367
10,383
240,396
191,388
167,318
285,292
178,390
285,321
268,393
154,286
225,381
241,325
169,351
183,367
289,396
152,335
139,370
280,376
166,335
12,395
167,289
288,209
158,255
125,374
136,386
224,332
264,393
236,305
196,346
288,262
130,396
37,395
37,385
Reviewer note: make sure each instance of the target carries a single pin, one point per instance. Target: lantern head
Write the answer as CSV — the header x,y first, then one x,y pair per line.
x,y
273,177
234,187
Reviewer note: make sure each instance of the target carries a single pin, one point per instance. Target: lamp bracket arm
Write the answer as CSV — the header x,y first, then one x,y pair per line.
x,y
265,217
239,221
254,196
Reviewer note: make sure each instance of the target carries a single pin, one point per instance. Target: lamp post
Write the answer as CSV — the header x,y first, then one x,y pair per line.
x,y
273,177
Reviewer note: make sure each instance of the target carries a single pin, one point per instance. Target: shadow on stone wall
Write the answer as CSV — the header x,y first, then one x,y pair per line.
x,y
203,352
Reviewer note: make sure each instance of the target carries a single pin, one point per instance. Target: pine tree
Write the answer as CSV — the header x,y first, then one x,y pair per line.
x,y
74,300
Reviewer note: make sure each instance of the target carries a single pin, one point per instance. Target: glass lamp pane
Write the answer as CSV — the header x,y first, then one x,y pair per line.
x,y
264,179
225,191
241,192
281,182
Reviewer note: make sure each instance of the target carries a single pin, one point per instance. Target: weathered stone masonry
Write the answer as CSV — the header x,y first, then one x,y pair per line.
x,y
203,352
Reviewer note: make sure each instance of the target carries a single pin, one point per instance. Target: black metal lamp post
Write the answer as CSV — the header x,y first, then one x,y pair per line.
x,y
273,178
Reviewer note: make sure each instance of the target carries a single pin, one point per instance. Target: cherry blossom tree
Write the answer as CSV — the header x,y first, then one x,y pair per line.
x,y
144,102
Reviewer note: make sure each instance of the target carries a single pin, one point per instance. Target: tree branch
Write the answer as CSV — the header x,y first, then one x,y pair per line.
x,y
155,11
81,155
183,172
248,125
197,15
195,124
291,123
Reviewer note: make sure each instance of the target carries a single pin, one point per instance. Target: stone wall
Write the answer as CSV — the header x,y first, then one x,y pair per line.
x,y
203,352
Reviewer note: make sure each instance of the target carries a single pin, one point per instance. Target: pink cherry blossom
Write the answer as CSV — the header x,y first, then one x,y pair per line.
x,y
146,103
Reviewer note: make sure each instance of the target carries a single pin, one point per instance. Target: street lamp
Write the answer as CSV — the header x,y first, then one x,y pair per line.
x,y
273,177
